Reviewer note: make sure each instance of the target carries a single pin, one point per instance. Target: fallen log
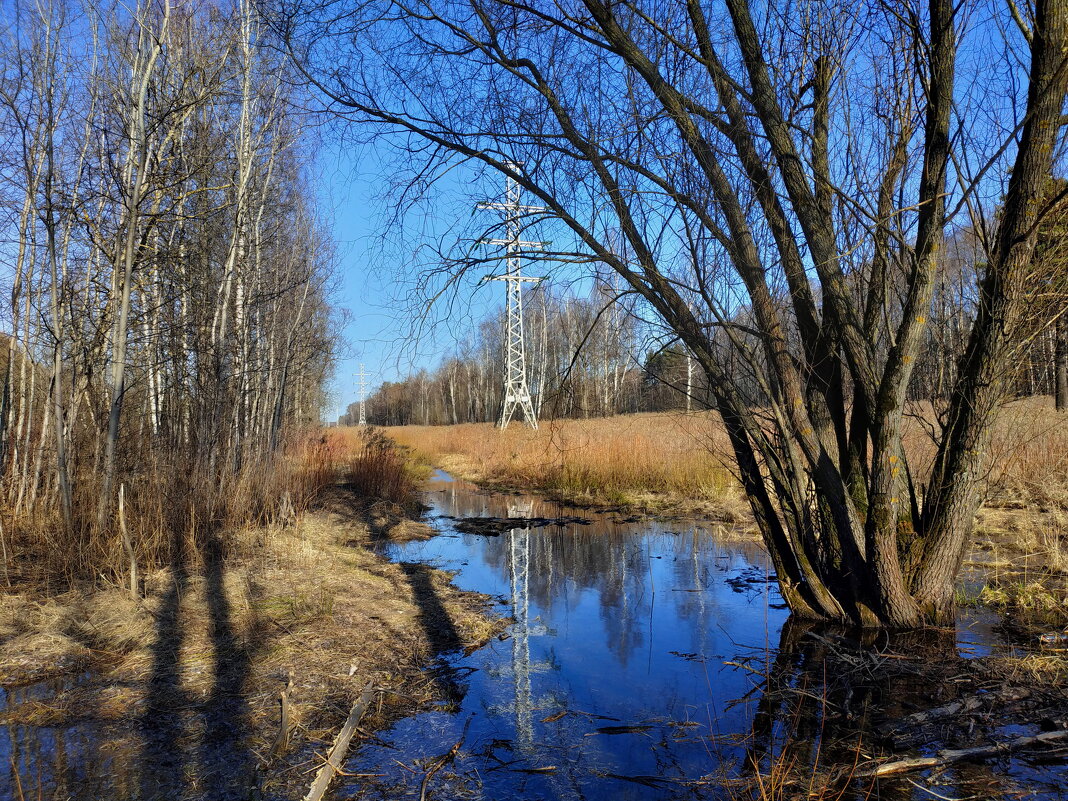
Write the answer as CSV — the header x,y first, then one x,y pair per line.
x,y
949,756
972,703
341,746
920,726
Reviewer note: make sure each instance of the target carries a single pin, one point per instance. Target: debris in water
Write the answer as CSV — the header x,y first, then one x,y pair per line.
x,y
495,526
648,781
1054,638
620,730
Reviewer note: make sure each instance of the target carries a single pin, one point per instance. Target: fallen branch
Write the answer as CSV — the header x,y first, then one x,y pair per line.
x,y
1007,695
285,722
442,761
332,766
919,727
949,756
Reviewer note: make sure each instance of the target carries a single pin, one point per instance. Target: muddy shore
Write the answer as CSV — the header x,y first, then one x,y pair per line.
x,y
180,691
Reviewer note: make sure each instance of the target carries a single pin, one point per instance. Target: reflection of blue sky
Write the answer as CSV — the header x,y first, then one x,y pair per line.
x,y
639,621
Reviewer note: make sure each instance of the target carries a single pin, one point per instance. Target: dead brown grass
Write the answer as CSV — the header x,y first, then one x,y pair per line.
x,y
310,600
376,466
645,460
170,505
675,460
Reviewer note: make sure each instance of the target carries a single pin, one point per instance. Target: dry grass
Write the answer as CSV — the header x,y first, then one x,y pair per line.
x,y
309,599
1032,670
377,467
642,460
684,460
170,506
307,584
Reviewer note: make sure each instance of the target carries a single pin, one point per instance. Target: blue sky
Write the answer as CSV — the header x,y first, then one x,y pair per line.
x,y
371,290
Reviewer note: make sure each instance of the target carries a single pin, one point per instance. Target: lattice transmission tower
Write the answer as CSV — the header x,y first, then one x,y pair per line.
x,y
516,391
361,382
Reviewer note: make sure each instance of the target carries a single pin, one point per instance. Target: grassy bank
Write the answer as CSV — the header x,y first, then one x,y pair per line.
x,y
667,459
654,462
681,463
199,660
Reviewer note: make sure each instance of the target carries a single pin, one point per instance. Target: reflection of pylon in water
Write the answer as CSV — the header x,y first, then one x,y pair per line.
x,y
523,628
519,562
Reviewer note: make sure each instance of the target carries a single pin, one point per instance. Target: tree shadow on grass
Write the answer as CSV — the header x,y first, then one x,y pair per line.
x,y
224,751
437,624
163,720
190,747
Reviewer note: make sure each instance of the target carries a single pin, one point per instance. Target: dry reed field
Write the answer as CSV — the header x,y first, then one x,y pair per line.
x,y
677,461
170,510
641,460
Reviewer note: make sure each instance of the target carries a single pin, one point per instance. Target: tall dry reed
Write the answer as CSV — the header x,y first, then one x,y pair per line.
x,y
171,511
631,458
377,468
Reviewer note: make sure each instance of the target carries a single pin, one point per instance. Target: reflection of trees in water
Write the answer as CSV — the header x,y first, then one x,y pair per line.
x,y
612,560
821,694
815,701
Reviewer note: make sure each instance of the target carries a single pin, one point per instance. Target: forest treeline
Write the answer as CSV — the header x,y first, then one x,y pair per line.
x,y
586,356
601,355
165,316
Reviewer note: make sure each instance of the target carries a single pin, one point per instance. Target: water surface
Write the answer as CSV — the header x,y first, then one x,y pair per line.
x,y
647,659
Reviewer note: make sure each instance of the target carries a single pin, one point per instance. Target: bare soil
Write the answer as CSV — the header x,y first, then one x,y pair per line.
x,y
185,682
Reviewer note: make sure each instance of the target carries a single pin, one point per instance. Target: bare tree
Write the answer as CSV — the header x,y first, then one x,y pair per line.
x,y
153,192
800,168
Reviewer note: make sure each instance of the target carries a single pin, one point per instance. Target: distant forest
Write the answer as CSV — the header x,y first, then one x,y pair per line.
x,y
599,355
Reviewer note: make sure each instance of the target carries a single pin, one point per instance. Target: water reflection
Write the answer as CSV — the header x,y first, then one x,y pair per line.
x,y
650,660
647,659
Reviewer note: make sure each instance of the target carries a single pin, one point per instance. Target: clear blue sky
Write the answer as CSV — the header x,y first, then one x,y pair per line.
x,y
372,291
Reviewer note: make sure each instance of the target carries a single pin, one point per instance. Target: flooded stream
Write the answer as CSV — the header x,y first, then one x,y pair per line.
x,y
646,660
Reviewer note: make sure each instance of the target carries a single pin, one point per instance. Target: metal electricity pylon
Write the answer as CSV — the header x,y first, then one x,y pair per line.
x,y
516,391
362,383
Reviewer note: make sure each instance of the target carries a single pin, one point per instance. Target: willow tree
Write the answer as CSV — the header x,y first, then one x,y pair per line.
x,y
784,176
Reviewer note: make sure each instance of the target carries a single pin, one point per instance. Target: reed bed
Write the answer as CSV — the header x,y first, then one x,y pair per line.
x,y
171,510
672,458
376,467
635,460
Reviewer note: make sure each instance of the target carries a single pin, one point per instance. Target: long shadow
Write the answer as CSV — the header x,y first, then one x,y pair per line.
x,y
162,724
433,617
227,764
437,624
380,519
225,768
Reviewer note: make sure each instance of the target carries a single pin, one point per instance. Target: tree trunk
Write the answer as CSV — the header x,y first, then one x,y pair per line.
x,y
1060,363
137,162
